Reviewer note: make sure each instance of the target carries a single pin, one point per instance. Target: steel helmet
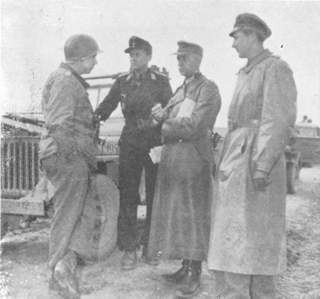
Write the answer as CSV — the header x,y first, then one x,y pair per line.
x,y
80,46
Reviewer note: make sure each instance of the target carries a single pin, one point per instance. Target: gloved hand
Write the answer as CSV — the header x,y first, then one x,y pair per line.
x,y
96,118
260,180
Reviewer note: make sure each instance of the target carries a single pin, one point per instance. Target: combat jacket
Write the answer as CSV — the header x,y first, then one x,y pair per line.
x,y
69,117
137,96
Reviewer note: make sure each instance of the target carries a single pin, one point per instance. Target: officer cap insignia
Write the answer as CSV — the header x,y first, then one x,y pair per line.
x,y
139,43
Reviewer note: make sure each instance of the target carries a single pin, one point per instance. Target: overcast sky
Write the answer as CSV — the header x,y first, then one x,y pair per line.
x,y
34,31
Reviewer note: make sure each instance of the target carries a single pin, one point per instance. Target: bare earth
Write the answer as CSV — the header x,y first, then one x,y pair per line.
x,y
24,254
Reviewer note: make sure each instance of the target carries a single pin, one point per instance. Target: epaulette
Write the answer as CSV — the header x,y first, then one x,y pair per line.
x,y
159,74
64,75
275,56
123,74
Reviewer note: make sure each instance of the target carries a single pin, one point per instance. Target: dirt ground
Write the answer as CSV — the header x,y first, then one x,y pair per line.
x,y
23,270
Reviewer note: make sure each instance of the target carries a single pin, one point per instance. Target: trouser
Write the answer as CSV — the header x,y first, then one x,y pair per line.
x,y
131,164
70,260
241,286
70,178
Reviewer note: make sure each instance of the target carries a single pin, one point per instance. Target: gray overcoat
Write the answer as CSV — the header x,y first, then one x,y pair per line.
x,y
181,209
248,227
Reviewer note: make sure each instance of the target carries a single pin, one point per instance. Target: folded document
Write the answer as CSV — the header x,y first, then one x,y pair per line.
x,y
186,108
155,154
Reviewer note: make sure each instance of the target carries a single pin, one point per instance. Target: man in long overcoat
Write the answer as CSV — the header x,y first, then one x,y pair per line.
x,y
248,238
137,91
181,213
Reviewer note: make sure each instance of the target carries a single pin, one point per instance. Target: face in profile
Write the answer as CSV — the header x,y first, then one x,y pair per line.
x,y
139,59
188,64
242,43
88,63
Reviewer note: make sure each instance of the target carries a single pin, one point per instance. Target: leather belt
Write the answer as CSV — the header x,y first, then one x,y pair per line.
x,y
252,123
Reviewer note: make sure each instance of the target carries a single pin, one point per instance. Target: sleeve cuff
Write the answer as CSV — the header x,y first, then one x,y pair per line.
x,y
263,168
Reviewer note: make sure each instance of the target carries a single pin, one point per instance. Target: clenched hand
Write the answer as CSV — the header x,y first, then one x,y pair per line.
x,y
260,180
158,113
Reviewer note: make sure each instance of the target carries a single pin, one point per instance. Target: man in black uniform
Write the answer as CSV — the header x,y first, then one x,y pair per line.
x,y
137,91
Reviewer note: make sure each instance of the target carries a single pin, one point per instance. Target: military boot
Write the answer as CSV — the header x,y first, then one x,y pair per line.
x,y
129,260
178,276
64,276
152,261
191,282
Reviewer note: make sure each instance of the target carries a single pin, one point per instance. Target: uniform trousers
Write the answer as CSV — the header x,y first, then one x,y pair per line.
x,y
131,163
241,286
70,178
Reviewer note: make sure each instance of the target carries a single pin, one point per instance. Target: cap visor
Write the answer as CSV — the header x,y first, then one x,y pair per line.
x,y
128,50
234,30
179,53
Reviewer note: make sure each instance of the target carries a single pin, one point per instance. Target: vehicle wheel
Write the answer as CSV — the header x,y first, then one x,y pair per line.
x,y
291,178
4,225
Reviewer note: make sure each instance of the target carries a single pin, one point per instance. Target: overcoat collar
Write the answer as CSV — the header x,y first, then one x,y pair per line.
x,y
256,60
194,77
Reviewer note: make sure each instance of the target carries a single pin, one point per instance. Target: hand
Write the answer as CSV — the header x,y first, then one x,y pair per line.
x,y
144,124
260,180
158,113
96,118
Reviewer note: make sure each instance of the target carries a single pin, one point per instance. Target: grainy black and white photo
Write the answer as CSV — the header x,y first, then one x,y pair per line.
x,y
160,149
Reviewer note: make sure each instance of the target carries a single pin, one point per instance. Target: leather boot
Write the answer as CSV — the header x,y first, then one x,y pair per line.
x,y
129,260
152,261
64,276
191,282
178,276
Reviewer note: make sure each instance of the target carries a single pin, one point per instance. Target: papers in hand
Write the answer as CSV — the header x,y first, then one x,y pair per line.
x,y
186,108
155,154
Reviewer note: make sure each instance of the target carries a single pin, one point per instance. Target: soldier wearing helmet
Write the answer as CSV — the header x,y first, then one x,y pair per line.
x,y
137,91
67,153
80,52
